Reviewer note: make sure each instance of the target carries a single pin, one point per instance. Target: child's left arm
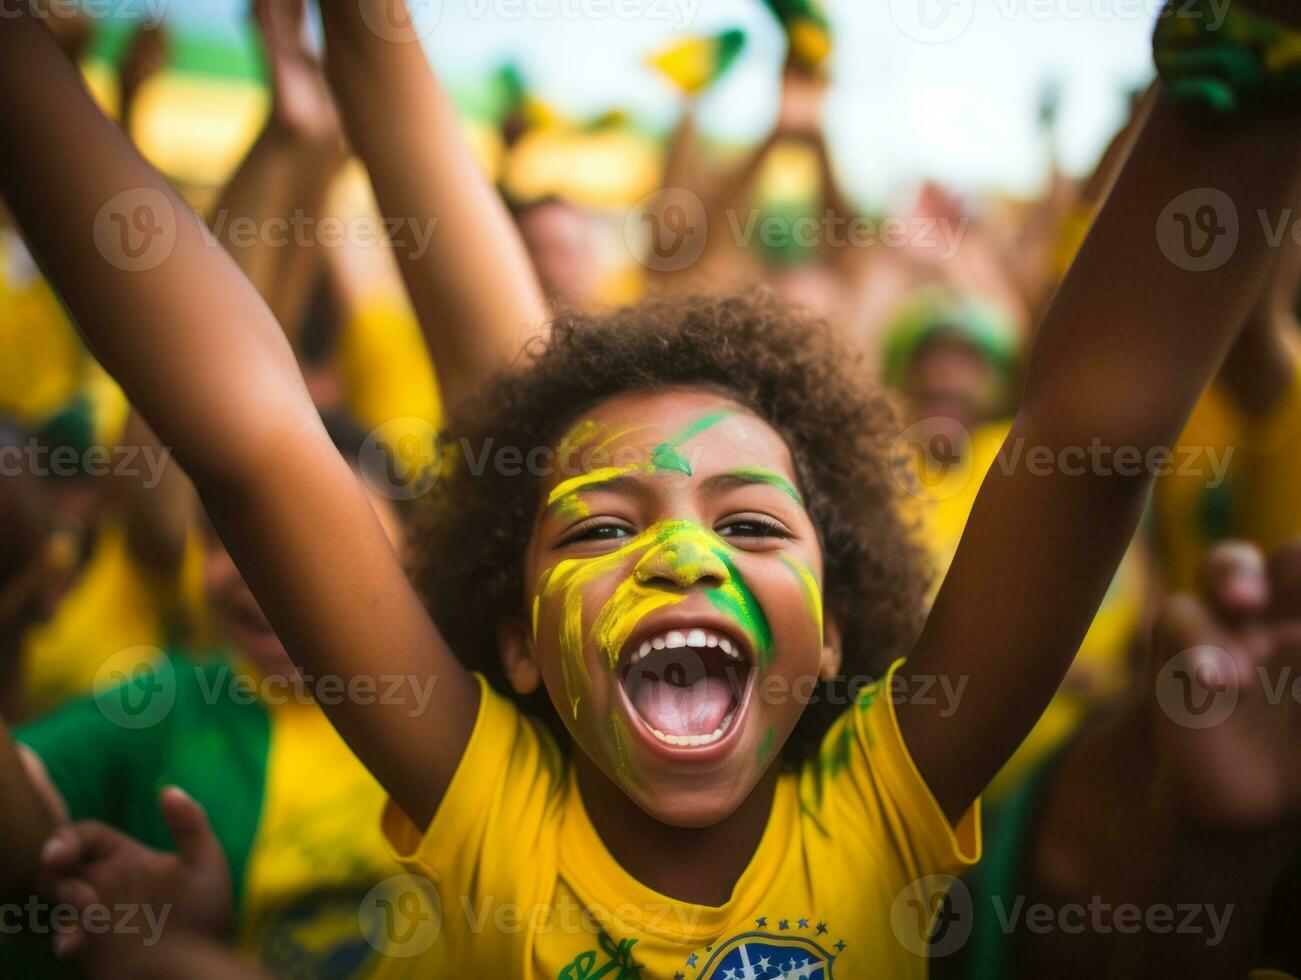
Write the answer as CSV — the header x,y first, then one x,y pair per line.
x,y
1124,351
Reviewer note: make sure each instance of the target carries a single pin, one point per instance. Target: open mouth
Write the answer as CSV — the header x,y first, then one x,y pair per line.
x,y
687,685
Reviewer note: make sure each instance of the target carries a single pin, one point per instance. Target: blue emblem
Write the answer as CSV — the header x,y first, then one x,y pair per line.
x,y
761,956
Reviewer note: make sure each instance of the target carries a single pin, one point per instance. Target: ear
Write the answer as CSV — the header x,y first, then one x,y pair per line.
x,y
832,650
519,658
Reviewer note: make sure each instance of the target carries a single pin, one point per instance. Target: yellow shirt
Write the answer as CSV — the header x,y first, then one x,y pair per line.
x,y
387,374
317,851
527,888
44,363
114,618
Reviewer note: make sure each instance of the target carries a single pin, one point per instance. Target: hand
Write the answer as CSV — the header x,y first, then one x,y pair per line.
x,y
1227,719
89,864
301,105
800,113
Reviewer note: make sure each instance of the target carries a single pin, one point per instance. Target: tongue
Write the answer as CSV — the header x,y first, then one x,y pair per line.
x,y
695,709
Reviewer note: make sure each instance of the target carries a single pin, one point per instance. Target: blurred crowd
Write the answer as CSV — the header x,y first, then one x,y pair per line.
x,y
107,565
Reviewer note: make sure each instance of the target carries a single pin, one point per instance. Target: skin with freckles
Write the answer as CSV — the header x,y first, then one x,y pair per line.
x,y
718,539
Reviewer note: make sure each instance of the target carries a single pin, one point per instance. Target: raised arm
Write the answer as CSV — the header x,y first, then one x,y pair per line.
x,y
287,173
1124,351
472,286
196,350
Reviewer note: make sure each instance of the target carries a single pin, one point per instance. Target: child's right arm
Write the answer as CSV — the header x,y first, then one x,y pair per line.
x,y
196,350
472,283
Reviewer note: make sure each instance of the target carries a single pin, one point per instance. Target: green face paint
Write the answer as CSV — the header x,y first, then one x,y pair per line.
x,y
568,581
735,600
685,549
668,456
757,474
766,745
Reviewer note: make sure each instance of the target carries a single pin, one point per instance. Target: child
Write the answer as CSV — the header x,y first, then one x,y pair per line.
x,y
713,510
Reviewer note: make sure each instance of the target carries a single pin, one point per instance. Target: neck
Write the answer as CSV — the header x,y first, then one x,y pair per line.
x,y
699,865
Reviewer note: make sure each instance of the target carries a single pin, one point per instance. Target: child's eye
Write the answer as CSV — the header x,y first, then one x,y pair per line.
x,y
597,532
753,526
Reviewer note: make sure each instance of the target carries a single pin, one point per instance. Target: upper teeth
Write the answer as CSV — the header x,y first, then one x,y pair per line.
x,y
688,638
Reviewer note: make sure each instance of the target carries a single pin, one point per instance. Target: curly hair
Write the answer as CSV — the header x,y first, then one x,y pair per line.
x,y
470,535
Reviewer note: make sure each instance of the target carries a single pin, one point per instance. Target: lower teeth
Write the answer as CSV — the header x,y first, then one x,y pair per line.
x,y
696,740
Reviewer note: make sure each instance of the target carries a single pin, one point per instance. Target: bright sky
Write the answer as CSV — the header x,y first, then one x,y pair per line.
x,y
939,88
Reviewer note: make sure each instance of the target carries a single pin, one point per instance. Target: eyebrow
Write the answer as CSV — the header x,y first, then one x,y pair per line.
x,y
751,475
615,479
619,479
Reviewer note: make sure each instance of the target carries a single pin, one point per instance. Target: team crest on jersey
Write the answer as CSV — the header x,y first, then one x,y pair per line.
x,y
764,954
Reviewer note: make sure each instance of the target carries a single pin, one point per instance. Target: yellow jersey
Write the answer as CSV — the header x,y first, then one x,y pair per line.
x,y
511,878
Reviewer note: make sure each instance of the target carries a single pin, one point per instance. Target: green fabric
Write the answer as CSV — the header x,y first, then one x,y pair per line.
x,y
211,744
1001,874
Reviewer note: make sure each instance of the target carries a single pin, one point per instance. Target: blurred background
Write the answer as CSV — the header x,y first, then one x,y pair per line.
x,y
962,110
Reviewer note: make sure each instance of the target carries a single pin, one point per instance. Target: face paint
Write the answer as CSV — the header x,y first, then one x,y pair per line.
x,y
684,551
667,455
812,590
735,600
756,474
565,499
583,432
570,579
766,745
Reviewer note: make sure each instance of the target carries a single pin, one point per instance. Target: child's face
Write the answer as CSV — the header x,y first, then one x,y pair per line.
x,y
675,579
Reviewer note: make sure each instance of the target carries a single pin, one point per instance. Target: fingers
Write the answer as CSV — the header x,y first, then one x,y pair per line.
x,y
196,844
1235,581
76,844
81,896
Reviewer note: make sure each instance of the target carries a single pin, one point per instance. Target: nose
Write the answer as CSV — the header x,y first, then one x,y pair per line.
x,y
683,558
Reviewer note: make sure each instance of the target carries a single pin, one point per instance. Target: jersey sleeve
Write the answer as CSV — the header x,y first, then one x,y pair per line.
x,y
502,801
864,790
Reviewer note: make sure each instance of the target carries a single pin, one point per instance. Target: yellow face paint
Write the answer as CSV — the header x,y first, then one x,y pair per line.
x,y
568,581
585,481
812,590
686,549
565,497
583,432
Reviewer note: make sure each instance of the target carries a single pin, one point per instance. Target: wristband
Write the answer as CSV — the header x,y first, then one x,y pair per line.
x,y
1218,63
